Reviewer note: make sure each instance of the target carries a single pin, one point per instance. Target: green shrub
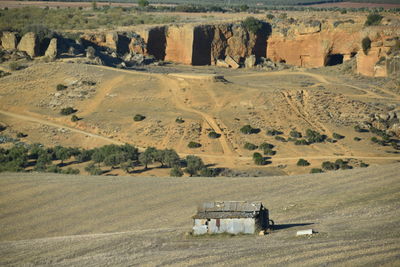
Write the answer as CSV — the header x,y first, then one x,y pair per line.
x,y
269,152
301,142
280,138
74,118
363,165
331,166
15,66
21,135
253,25
303,162
139,117
193,144
270,16
295,134
213,135
314,136
93,169
257,155
61,87
266,146
247,129
316,170
70,170
67,111
373,19
274,132
176,172
357,139
208,172
260,161
366,45
358,129
337,136
179,120
250,146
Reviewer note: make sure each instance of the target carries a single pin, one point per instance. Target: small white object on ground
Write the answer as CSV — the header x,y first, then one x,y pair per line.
x,y
305,232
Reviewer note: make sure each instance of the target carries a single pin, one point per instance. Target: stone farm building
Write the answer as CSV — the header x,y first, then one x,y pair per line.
x,y
234,217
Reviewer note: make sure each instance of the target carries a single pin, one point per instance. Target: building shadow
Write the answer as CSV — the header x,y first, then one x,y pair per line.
x,y
289,225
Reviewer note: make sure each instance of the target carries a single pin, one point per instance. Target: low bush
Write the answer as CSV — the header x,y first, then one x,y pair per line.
x,y
266,145
301,142
357,139
253,25
303,162
316,170
280,139
193,144
247,129
139,117
179,120
21,135
363,165
269,152
330,166
93,169
74,118
260,161
250,146
176,172
274,132
61,87
337,136
295,134
359,129
67,111
213,135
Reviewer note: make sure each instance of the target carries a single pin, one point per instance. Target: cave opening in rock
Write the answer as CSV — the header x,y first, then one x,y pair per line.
x,y
334,59
353,54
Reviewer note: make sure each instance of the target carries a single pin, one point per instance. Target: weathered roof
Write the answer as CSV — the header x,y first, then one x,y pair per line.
x,y
224,215
230,206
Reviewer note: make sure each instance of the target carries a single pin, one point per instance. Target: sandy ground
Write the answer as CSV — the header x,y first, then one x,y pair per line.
x,y
97,221
284,100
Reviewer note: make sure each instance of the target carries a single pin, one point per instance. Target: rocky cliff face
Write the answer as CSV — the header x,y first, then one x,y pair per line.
x,y
299,43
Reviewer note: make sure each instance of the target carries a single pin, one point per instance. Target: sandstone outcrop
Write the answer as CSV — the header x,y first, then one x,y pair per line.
x,y
52,51
29,44
9,40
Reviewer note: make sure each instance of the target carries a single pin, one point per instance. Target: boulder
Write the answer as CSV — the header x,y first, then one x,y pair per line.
x,y
112,40
29,44
231,62
222,63
9,40
137,45
90,52
51,51
250,61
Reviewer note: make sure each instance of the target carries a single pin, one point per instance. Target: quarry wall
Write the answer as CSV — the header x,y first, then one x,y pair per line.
x,y
306,44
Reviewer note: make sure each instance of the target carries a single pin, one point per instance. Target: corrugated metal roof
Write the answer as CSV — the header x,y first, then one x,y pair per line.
x,y
230,206
224,215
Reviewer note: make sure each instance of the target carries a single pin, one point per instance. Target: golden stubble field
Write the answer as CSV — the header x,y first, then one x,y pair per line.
x,y
48,219
322,100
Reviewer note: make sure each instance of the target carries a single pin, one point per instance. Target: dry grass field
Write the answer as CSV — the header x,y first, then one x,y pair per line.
x,y
60,220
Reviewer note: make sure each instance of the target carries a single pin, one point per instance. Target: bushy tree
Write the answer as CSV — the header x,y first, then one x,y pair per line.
x,y
366,45
171,158
194,164
295,134
253,25
147,157
143,3
266,146
373,19
93,169
247,129
193,144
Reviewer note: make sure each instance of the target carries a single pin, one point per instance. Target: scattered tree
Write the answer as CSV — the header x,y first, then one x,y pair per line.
x,y
373,19
194,164
176,172
61,87
67,111
250,146
316,170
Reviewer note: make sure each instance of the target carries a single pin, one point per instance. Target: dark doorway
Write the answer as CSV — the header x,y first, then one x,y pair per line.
x,y
334,59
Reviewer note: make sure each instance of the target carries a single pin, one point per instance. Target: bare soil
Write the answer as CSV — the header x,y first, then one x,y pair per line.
x,y
61,220
285,100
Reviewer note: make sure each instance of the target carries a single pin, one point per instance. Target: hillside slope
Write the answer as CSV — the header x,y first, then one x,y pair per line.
x,y
91,221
